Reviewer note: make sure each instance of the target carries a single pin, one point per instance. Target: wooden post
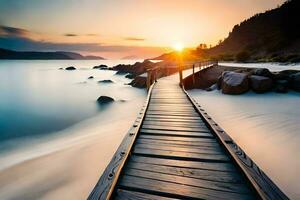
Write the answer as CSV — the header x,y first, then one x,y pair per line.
x,y
180,76
193,74
148,79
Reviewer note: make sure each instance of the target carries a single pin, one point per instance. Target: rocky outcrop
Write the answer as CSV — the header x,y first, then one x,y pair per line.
x,y
260,84
295,81
100,67
234,83
102,100
70,68
135,69
105,81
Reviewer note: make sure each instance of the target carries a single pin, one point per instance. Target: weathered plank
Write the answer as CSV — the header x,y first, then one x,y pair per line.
x,y
224,167
174,190
175,133
203,174
181,155
131,195
190,181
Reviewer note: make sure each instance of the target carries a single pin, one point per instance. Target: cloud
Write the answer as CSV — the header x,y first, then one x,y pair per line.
x,y
12,31
134,39
70,35
91,34
21,40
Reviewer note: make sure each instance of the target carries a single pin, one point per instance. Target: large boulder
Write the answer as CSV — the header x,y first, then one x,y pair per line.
x,y
105,100
282,86
263,72
234,83
139,82
70,68
295,81
261,84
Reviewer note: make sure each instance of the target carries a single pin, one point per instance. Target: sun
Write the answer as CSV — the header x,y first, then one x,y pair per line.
x,y
178,46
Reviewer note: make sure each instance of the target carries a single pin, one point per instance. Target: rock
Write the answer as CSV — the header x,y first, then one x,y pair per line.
x,y
70,68
263,72
234,83
105,100
295,81
91,77
260,84
139,82
211,88
60,68
130,76
282,86
100,67
105,81
121,73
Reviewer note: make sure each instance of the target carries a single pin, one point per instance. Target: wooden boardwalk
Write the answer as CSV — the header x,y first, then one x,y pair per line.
x,y
176,154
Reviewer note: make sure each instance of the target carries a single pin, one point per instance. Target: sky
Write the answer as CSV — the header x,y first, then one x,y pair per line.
x,y
120,28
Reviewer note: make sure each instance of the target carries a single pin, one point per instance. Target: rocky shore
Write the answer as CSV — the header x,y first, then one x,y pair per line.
x,y
138,71
237,80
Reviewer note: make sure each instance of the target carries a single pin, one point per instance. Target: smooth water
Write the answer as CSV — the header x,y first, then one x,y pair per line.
x,y
55,140
271,66
266,126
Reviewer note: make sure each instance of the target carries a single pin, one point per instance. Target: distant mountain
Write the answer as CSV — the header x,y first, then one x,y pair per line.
x,y
131,57
274,34
31,55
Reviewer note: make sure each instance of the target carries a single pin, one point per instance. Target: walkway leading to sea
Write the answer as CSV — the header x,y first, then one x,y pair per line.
x,y
175,150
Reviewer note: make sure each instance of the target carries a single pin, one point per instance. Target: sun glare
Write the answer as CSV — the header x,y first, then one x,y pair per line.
x,y
178,46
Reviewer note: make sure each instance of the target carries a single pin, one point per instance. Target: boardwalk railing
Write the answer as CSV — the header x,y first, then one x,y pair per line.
x,y
155,73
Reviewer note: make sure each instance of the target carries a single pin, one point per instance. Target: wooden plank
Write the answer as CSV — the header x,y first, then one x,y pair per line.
x,y
183,139
175,133
177,143
189,149
194,182
131,195
175,128
176,124
173,117
174,190
224,167
197,120
202,174
181,155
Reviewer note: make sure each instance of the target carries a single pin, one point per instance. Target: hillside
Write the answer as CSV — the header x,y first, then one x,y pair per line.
x,y
31,55
270,36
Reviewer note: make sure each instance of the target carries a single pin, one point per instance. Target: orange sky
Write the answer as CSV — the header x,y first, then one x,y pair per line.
x,y
118,28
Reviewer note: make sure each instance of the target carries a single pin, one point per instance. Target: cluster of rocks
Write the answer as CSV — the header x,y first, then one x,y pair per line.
x,y
258,80
102,67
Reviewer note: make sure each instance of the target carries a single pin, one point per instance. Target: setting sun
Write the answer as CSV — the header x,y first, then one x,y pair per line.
x,y
178,46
